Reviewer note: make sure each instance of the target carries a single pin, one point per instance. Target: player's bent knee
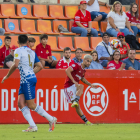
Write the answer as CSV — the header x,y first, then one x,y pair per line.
x,y
81,87
31,106
21,105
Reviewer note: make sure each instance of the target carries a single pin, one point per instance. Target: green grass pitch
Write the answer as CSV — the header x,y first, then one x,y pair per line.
x,y
72,132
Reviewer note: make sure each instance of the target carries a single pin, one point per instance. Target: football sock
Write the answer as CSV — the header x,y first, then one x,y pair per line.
x,y
83,117
77,98
43,113
27,115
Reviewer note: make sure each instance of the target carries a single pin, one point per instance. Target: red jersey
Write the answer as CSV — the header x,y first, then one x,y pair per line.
x,y
3,53
63,64
78,73
43,52
132,19
83,19
112,65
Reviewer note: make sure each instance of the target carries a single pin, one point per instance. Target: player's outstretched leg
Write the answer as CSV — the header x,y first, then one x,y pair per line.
x,y
26,113
79,92
42,112
80,113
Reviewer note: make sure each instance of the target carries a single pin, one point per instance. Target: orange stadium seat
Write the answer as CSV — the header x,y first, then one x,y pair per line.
x,y
11,26
56,23
53,43
56,11
70,11
82,42
56,55
70,24
104,9
65,42
8,10
138,56
37,41
14,40
28,26
124,8
1,41
103,26
40,11
72,55
94,41
24,11
95,25
44,26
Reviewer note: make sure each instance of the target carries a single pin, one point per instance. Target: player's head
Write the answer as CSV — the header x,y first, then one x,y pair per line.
x,y
44,39
7,41
121,36
87,60
117,55
22,40
31,42
67,53
78,53
132,54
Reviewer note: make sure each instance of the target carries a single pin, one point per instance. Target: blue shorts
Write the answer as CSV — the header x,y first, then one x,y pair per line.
x,y
95,14
28,88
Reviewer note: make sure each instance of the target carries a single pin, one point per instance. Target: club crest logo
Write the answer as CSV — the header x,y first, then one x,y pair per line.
x,y
96,100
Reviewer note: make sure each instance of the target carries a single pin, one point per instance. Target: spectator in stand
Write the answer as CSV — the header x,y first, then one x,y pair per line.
x,y
5,50
31,42
133,18
65,62
95,62
131,63
8,62
116,63
104,50
118,21
82,22
44,54
78,55
93,6
7,1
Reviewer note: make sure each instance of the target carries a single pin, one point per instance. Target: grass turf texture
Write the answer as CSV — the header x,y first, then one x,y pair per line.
x,y
72,132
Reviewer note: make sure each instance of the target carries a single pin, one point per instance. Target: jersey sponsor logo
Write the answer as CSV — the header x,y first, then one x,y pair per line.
x,y
78,76
77,18
111,65
73,65
96,100
41,52
16,55
47,52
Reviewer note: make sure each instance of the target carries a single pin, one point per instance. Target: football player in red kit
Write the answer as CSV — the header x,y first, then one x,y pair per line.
x,y
73,90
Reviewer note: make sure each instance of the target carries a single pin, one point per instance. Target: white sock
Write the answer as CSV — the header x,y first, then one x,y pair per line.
x,y
43,113
27,115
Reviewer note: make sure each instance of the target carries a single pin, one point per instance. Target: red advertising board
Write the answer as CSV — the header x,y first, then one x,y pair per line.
x,y
116,100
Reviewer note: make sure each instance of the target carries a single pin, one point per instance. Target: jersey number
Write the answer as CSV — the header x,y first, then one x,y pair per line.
x,y
30,63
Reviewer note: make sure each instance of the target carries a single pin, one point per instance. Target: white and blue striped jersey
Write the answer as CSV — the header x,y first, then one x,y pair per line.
x,y
27,59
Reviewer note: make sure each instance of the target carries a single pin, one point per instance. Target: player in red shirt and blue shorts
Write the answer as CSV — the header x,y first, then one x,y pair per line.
x,y
73,90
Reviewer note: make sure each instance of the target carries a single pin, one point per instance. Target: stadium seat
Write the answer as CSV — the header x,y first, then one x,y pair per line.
x,y
56,23
124,8
1,41
57,56
44,26
56,12
8,11
14,40
95,25
82,42
53,43
37,41
11,26
28,26
40,11
0,23
65,42
111,38
70,24
72,55
70,11
24,11
104,9
138,56
103,26
94,41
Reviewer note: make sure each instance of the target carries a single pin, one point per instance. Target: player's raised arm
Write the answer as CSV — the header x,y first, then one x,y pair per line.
x,y
88,83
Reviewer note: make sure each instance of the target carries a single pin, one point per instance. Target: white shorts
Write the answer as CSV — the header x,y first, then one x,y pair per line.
x,y
70,93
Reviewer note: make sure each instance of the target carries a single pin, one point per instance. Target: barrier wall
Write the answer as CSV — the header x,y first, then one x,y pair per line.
x,y
117,100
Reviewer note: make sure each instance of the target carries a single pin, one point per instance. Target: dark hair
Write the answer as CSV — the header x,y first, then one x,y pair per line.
x,y
66,49
78,49
136,13
132,49
97,60
7,37
22,39
114,54
105,34
43,36
31,39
